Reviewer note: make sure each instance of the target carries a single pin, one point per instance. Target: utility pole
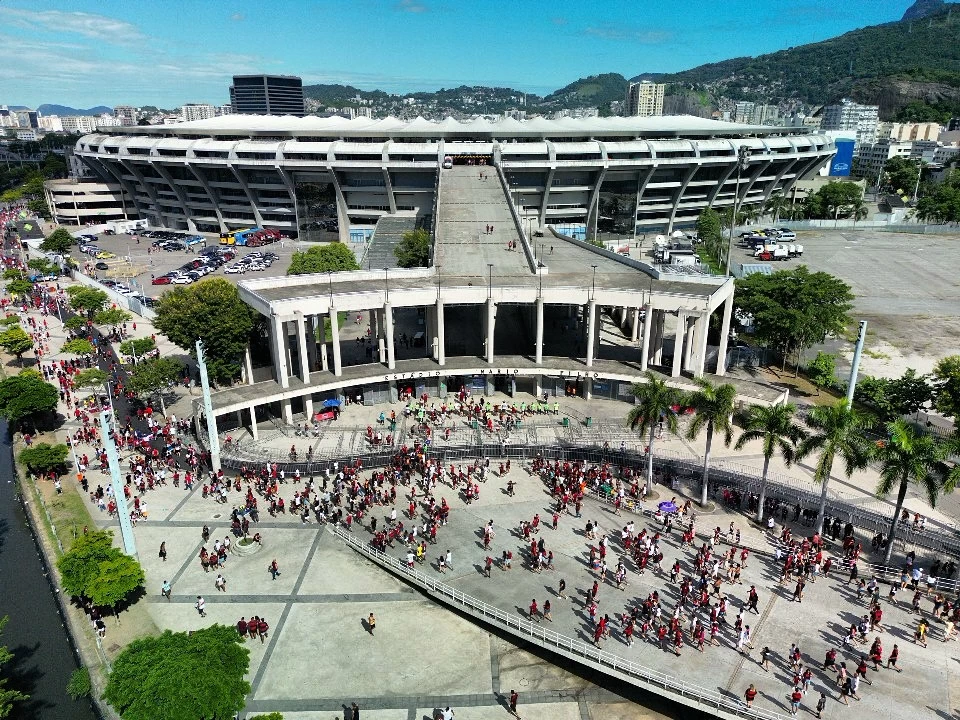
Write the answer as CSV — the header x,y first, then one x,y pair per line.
x,y
116,482
743,160
212,434
855,367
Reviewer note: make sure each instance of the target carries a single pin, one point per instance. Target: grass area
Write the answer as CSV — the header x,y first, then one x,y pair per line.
x,y
875,354
327,332
710,261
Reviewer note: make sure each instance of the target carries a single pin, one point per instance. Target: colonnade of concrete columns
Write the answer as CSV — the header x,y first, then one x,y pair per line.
x,y
690,338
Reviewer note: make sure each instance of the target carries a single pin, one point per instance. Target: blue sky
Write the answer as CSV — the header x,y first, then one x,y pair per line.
x,y
167,52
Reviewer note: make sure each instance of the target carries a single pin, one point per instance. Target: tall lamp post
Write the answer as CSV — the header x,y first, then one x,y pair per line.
x,y
489,281
593,284
386,281
743,160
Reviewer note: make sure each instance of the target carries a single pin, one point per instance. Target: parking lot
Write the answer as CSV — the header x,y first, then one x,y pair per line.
x,y
137,262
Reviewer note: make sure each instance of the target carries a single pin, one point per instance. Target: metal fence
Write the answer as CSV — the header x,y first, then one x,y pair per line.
x,y
704,699
672,472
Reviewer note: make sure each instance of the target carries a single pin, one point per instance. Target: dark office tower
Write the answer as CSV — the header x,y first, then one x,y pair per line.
x,y
267,95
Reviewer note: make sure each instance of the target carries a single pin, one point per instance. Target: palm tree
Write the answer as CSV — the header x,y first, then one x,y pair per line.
x,y
655,403
909,456
858,210
773,425
837,430
776,205
714,409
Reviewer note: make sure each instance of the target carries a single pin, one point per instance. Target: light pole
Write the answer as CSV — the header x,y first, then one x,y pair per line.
x,y
593,285
743,159
330,284
489,281
438,281
386,282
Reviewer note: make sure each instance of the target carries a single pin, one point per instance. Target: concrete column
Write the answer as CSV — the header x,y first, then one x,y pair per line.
x,y
253,423
678,343
374,325
308,407
635,324
287,411
278,350
659,323
647,328
623,317
538,349
388,332
304,357
591,331
538,385
248,365
324,363
382,350
441,335
688,346
335,339
430,331
491,327
588,389
312,341
724,336
702,325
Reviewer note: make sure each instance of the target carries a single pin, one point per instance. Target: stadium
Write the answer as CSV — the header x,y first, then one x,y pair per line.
x,y
515,298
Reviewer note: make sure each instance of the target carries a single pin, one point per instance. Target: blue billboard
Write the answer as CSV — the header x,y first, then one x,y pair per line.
x,y
842,162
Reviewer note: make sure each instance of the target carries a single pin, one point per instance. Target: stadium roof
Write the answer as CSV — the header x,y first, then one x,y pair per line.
x,y
665,125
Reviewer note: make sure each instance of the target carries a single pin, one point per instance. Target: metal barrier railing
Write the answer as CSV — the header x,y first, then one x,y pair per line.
x,y
538,634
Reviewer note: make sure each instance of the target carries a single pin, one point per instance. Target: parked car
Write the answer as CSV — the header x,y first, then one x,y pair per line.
x,y
173,246
104,255
235,268
161,280
102,266
182,280
787,234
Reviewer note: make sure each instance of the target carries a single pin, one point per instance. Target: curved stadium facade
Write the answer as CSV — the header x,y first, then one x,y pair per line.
x,y
316,177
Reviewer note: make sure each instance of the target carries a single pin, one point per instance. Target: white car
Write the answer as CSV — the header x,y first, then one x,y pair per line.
x,y
122,289
235,268
182,280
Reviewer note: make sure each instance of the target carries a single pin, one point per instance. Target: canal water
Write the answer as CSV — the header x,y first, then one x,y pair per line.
x,y
43,658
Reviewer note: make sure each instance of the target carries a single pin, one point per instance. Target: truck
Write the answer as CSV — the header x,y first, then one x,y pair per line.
x,y
773,251
239,237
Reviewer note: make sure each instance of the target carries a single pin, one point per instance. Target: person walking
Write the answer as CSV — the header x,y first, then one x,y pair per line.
x,y
165,589
220,583
356,711
371,624
514,697
750,695
274,569
201,606
163,551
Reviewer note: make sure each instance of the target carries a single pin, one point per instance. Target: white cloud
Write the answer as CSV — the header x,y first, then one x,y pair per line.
x,y
412,6
237,17
88,25
621,33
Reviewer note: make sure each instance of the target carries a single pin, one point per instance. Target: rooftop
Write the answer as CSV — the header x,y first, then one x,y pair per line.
x,y
659,126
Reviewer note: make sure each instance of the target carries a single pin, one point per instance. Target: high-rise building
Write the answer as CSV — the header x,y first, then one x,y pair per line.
x,y
197,111
225,109
79,123
852,117
644,99
28,119
51,123
126,114
267,95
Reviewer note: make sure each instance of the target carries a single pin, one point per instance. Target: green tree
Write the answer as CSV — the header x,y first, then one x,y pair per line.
x,y
91,377
900,174
117,579
946,383
822,372
154,376
833,199
20,286
137,347
79,685
175,676
414,249
793,309
836,430
13,274
334,257
77,346
268,716
776,206
890,399
59,241
7,696
212,311
714,410
774,427
909,456
86,299
655,402
112,316
43,458
17,341
80,565
711,232
75,322
25,396
44,266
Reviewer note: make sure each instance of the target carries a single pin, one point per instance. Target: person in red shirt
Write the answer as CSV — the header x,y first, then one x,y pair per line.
x,y
750,695
533,610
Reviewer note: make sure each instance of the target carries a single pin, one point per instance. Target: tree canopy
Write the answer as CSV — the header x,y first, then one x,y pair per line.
x,y
19,286
334,257
793,309
414,249
77,346
710,230
835,199
87,299
7,696
175,676
154,375
212,311
59,241
889,399
137,346
16,340
94,569
112,316
946,380
91,377
900,174
26,395
822,371
941,203
42,458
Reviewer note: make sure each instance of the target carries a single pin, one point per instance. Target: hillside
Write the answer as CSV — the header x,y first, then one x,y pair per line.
x,y
889,64
52,109
593,91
